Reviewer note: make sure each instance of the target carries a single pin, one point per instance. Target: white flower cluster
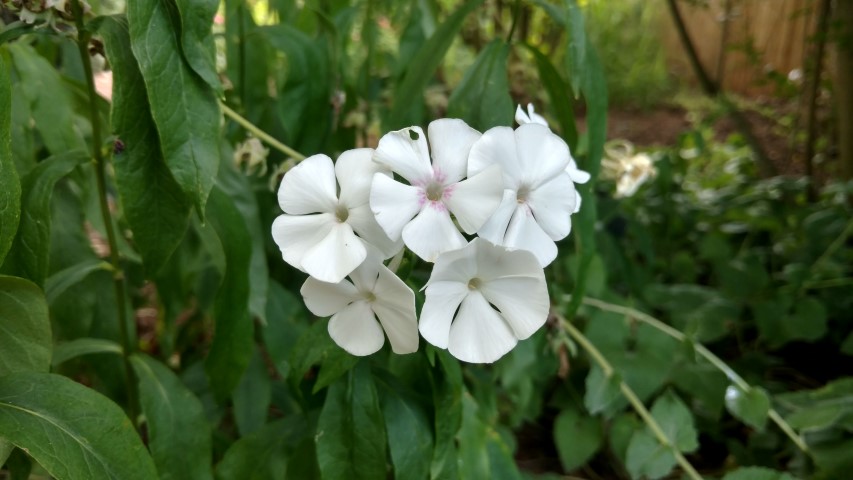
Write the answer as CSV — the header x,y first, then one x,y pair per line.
x,y
512,190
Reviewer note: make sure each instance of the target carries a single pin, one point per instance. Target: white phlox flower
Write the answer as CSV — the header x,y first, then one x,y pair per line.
x,y
577,175
482,299
629,170
419,212
374,292
539,195
322,233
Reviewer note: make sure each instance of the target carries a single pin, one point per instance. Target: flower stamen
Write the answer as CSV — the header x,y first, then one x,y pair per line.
x,y
434,191
341,213
522,194
474,284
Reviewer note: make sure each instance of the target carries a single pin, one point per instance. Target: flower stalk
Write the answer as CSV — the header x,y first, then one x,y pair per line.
x,y
269,139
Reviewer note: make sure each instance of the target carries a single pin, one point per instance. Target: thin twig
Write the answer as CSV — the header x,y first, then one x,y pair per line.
x,y
260,133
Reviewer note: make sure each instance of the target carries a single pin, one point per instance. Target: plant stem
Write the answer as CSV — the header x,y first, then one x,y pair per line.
x,y
704,352
260,133
516,12
641,409
83,37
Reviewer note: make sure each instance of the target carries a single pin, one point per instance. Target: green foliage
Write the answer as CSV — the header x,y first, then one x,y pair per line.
x,y
24,327
577,437
482,98
10,185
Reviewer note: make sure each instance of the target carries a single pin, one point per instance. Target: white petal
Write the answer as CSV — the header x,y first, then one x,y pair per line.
x,y
364,223
458,266
475,199
364,277
394,204
354,170
553,204
494,230
335,256
450,141
577,201
356,330
395,308
524,233
496,147
535,117
295,235
542,154
326,299
478,333
521,116
309,187
522,301
442,300
407,157
578,175
494,262
432,232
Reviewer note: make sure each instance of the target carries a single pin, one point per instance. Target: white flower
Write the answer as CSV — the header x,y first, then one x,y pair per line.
x,y
482,299
374,292
530,117
317,233
539,195
28,16
435,189
635,171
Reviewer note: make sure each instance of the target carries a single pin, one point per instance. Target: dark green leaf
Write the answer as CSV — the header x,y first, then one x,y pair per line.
x,y
232,342
424,64
153,202
25,340
447,398
808,321
646,455
751,407
29,254
197,38
562,104
409,431
83,346
252,396
184,108
178,433
601,391
264,455
283,328
757,473
351,432
577,437
61,281
70,430
482,451
336,362
10,185
820,409
482,98
6,448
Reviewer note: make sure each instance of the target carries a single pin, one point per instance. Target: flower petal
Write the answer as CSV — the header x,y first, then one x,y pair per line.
x,y
458,266
309,187
496,147
450,140
295,235
553,204
524,233
404,155
432,232
354,170
522,301
542,154
494,230
395,308
364,223
326,299
356,330
478,333
475,199
394,204
577,201
578,175
495,261
521,116
335,256
442,300
364,277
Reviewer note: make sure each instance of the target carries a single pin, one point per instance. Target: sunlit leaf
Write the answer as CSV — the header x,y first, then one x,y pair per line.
x,y
751,406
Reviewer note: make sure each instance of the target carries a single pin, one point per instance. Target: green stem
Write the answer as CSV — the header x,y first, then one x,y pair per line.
x,y
83,37
635,402
260,133
704,352
516,12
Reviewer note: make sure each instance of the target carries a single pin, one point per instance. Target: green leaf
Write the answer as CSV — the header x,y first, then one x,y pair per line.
x,y
820,409
601,392
197,38
6,448
808,321
482,451
646,455
562,104
264,454
50,102
25,340
153,202
336,362
10,184
757,473
72,431
647,458
482,97
351,432
253,396
178,433
577,437
232,342
424,64
59,282
750,407
29,254
184,108
447,398
409,430
282,331
83,346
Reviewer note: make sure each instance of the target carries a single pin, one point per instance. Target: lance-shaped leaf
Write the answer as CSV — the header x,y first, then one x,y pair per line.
x,y
482,98
153,202
232,342
72,431
197,38
179,435
25,340
10,185
562,104
409,431
184,108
